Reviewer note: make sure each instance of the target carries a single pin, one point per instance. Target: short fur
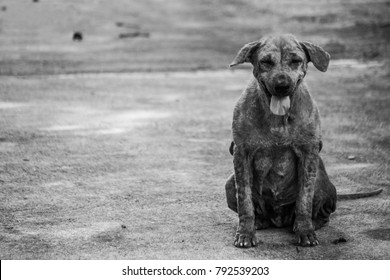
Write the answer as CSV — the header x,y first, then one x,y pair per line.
x,y
279,178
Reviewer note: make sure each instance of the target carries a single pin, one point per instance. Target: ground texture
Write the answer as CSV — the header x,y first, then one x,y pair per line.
x,y
117,148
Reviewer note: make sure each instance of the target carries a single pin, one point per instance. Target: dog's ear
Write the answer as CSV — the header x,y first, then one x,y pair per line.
x,y
244,54
317,55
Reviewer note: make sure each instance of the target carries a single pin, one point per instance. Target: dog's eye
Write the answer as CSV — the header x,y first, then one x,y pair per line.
x,y
296,61
267,62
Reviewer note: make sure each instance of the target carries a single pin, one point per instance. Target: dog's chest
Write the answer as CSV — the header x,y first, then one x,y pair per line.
x,y
276,172
282,129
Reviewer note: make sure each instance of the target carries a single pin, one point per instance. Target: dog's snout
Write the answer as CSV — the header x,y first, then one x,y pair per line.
x,y
281,80
282,83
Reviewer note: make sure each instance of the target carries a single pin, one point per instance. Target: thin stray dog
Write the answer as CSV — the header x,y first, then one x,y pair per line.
x,y
279,178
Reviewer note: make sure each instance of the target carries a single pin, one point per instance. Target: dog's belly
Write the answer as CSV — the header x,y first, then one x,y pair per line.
x,y
279,170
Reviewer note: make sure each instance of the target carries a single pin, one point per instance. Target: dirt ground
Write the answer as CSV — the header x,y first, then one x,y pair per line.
x,y
117,148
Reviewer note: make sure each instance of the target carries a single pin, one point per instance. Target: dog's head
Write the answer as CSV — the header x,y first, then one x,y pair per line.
x,y
279,65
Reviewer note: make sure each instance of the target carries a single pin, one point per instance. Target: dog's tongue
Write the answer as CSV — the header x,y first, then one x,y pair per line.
x,y
280,105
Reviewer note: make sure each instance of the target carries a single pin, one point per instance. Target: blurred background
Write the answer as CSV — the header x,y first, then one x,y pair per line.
x,y
155,35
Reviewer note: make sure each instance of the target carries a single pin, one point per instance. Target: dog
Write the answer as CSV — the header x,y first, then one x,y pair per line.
x,y
279,177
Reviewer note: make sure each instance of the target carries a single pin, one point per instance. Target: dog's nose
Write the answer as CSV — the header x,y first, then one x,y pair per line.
x,y
282,84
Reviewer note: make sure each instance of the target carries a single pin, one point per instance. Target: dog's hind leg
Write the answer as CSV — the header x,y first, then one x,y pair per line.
x,y
261,221
325,198
231,193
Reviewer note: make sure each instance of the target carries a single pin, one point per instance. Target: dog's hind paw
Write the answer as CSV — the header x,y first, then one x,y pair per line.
x,y
245,240
261,223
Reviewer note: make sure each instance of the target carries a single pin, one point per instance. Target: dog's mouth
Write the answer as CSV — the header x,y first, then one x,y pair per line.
x,y
280,105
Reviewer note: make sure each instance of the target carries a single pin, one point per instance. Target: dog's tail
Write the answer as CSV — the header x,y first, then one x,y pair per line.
x,y
349,196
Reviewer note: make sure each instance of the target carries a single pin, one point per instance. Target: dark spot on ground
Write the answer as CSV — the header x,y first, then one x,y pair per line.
x,y
327,18
379,233
109,236
339,240
134,35
77,36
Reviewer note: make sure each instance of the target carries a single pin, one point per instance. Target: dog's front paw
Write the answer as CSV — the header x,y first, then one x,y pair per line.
x,y
307,238
245,240
305,234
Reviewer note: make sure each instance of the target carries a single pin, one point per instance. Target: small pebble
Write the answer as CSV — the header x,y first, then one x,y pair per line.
x,y
339,240
77,36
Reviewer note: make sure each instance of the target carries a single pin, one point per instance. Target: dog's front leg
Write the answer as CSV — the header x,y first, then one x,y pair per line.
x,y
303,225
245,236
